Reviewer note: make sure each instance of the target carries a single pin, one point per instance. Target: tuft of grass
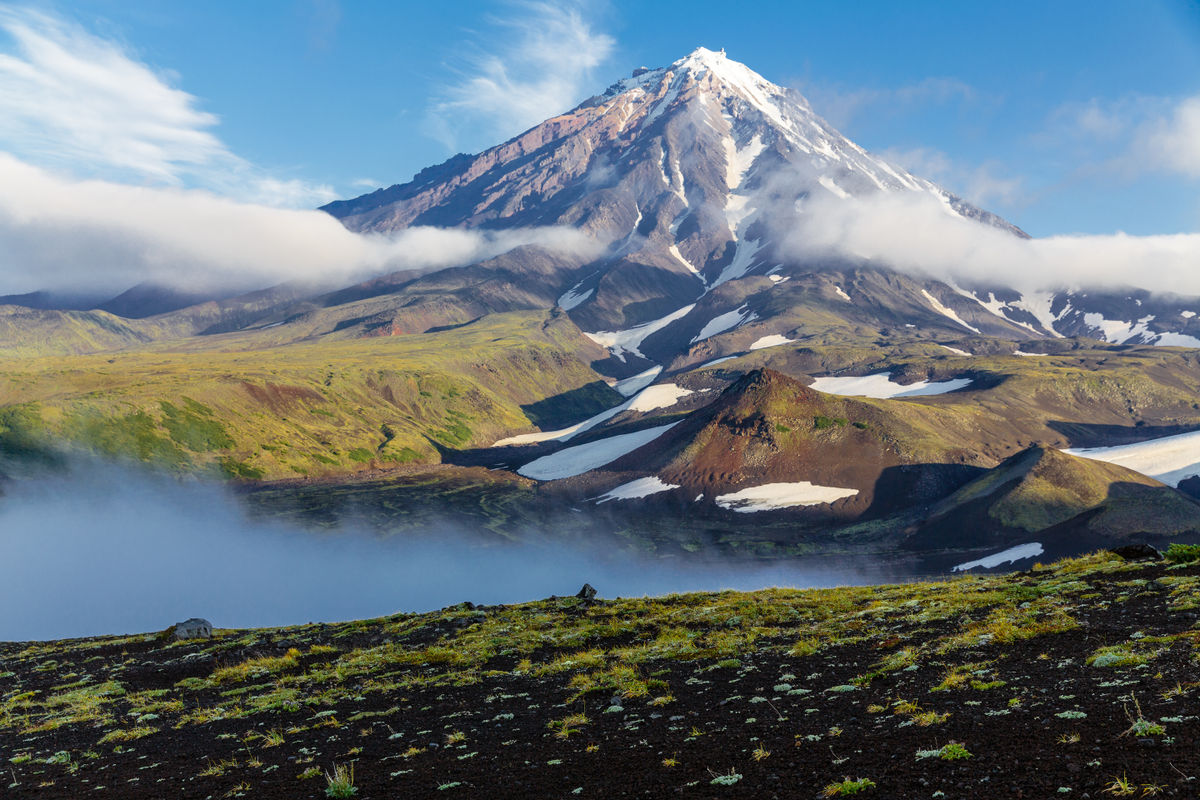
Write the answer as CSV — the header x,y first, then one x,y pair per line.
x,y
848,786
728,779
928,718
954,751
128,734
340,782
1121,787
1116,656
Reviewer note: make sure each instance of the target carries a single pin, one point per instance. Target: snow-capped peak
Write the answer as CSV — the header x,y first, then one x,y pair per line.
x,y
748,101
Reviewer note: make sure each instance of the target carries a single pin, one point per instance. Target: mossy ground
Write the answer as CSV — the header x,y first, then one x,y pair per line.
x,y
791,691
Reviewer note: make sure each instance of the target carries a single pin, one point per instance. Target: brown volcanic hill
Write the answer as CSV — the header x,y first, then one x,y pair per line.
x,y
1067,501
769,428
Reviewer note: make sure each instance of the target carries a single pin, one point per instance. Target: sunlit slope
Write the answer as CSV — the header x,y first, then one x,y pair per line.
x,y
1063,501
304,409
32,332
1088,394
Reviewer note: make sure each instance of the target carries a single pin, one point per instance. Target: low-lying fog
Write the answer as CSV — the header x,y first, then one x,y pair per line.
x,y
106,550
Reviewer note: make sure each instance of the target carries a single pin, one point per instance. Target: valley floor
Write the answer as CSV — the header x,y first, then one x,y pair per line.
x,y
1075,679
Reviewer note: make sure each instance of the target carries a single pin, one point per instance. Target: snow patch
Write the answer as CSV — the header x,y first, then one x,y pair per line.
x,y
1169,459
1038,304
946,311
996,307
633,385
571,298
842,294
881,385
1118,331
1008,556
743,262
955,350
773,340
583,458
663,395
674,250
739,161
642,487
738,209
721,360
628,341
771,496
724,322
650,399
1176,340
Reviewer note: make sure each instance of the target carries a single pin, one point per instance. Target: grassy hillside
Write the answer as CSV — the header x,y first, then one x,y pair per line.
x,y
303,409
1086,668
1085,395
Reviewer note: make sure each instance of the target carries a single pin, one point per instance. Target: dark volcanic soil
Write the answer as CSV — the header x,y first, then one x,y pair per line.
x,y
781,692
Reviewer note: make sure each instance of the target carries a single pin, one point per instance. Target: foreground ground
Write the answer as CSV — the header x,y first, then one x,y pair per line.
x,y
1080,679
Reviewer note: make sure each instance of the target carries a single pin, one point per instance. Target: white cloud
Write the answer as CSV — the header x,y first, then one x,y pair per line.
x,y
70,99
545,68
63,234
1129,136
914,232
1172,143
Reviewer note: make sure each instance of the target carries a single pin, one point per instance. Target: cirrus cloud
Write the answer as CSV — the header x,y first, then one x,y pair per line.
x,y
72,100
545,69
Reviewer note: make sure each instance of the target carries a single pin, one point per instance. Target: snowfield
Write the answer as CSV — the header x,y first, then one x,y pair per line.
x,y
652,398
1169,459
664,395
881,385
724,322
571,299
947,312
633,385
583,458
773,340
1003,557
771,496
628,341
642,487
1176,340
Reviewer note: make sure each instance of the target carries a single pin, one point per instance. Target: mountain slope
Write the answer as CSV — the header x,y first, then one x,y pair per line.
x,y
319,408
680,169
1066,503
767,428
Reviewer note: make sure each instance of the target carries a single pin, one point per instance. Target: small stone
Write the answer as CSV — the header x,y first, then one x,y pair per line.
x,y
194,628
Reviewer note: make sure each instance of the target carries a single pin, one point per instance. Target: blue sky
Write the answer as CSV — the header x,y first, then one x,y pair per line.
x,y
1065,117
